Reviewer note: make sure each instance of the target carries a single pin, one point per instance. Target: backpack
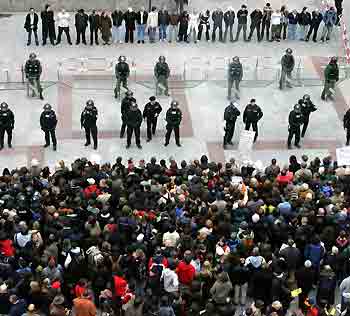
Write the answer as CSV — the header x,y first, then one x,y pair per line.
x,y
95,256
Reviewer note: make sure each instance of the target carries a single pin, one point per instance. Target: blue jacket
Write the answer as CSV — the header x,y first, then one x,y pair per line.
x,y
292,19
314,253
330,17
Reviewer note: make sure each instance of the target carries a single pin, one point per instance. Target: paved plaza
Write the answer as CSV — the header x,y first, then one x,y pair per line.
x,y
72,75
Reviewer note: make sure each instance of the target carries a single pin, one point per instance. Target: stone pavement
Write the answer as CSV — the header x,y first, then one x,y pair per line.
x,y
202,98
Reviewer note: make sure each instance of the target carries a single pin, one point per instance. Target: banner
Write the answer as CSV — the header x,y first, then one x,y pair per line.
x,y
246,141
343,156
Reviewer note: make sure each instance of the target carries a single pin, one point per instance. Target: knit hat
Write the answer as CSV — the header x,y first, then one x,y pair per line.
x,y
276,305
255,218
307,264
91,181
335,250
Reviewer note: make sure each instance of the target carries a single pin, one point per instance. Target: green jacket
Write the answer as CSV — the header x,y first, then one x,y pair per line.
x,y
331,72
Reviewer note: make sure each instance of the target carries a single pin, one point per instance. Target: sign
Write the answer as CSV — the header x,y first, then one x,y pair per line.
x,y
246,141
343,156
296,292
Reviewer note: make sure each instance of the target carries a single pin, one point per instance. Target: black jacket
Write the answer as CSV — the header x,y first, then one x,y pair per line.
x,y
287,63
295,120
27,24
256,17
81,21
235,71
33,68
7,119
122,70
252,113
316,18
48,120
163,18
130,18
304,18
150,112
161,69
138,17
229,18
125,106
89,117
346,119
173,117
242,16
117,17
217,17
133,118
47,19
307,107
231,114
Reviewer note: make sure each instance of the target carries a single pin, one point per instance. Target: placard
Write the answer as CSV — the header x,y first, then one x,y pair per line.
x,y
343,156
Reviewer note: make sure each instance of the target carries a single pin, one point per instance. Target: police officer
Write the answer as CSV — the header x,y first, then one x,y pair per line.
x,y
88,121
235,74
48,123
287,63
125,106
230,116
33,71
295,120
346,122
150,114
307,107
331,76
173,119
7,123
122,72
162,73
133,122
251,116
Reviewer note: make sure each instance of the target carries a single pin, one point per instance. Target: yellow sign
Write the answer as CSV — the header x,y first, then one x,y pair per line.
x,y
296,292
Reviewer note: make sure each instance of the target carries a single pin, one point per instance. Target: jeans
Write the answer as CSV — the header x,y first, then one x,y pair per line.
x,y
151,127
213,36
302,31
254,126
293,132
162,31
152,34
285,74
236,82
169,130
292,30
240,294
51,133
8,131
116,34
35,36
328,84
172,33
140,32
327,32
91,131
240,26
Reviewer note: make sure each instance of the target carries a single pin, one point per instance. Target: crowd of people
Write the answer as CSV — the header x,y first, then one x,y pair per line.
x,y
162,238
270,23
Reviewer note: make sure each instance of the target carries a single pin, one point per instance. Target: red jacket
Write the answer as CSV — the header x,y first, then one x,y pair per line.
x,y
6,247
120,286
283,180
185,272
91,189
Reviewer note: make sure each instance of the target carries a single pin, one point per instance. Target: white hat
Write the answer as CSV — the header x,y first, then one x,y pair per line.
x,y
307,264
3,288
140,237
255,218
335,250
219,251
91,181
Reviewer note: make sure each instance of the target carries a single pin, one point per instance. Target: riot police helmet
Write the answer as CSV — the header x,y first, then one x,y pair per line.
x,y
129,93
47,107
90,103
4,106
297,107
174,103
122,58
289,51
161,59
32,56
306,97
235,59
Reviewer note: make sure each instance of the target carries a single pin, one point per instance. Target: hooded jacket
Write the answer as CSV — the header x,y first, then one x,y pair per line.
x,y
185,273
221,289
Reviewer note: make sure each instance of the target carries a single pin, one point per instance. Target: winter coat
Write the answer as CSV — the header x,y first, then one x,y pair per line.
x,y
331,72
217,17
105,26
314,253
330,18
304,18
27,23
133,118
138,17
292,18
287,63
221,289
326,286
229,18
316,18
48,22
231,113
152,20
48,120
129,18
256,17
185,273
163,17
292,256
242,16
81,21
252,113
94,21
117,17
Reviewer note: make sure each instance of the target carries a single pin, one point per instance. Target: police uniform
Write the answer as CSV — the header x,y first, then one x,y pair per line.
x,y
162,73
122,72
287,63
251,116
307,107
235,74
88,121
331,76
295,120
230,116
346,122
150,114
33,71
124,108
7,122
173,119
48,123
133,120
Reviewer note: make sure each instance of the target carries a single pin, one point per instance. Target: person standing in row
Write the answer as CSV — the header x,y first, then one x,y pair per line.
x,y
173,119
204,25
331,77
251,116
229,19
133,122
7,123
276,18
346,122
329,19
141,22
150,114
48,123
63,20
287,64
284,22
162,73
295,120
217,18
235,75
105,26
242,17
81,23
230,116
292,25
129,18
266,21
117,21
304,18
94,22
173,27
33,72
88,122
255,23
48,25
183,26
163,22
192,31
152,24
124,108
316,19
307,107
122,72
31,26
